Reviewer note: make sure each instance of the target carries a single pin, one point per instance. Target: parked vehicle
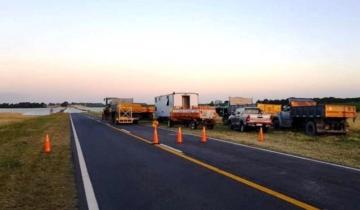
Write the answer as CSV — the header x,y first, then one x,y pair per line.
x,y
125,111
249,117
184,108
272,109
228,107
313,118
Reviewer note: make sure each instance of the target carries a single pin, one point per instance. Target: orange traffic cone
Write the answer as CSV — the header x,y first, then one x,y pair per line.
x,y
261,136
203,135
156,137
179,137
47,144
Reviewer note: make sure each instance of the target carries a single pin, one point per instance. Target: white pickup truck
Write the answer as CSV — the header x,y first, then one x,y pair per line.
x,y
249,117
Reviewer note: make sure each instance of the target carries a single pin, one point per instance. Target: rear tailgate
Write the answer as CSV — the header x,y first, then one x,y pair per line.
x,y
340,111
260,119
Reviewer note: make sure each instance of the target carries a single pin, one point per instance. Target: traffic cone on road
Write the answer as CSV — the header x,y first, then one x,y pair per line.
x,y
47,144
261,136
179,137
155,137
203,135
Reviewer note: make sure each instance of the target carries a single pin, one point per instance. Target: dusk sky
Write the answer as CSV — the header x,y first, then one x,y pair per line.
x,y
52,51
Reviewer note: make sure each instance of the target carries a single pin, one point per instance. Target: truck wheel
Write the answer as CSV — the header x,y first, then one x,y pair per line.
x,y
170,123
310,128
210,126
193,125
242,127
231,126
265,129
276,123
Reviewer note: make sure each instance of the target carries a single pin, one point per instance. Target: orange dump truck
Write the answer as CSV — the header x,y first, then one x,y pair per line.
x,y
125,111
314,118
272,109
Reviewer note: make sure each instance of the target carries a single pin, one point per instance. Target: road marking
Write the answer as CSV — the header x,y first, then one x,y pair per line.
x,y
125,131
242,180
271,151
128,133
89,191
225,173
172,148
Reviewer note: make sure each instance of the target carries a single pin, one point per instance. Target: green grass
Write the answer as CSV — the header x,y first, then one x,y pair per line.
x,y
30,179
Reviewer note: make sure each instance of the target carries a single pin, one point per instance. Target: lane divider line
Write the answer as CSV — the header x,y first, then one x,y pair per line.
x,y
239,179
89,190
244,181
172,148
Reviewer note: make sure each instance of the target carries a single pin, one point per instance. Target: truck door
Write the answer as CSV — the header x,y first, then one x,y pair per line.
x,y
285,119
186,102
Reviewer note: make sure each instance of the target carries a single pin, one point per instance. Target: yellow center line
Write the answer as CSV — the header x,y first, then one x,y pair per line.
x,y
227,174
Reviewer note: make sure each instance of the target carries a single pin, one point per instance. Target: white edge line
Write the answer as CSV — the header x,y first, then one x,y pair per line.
x,y
172,148
271,151
89,191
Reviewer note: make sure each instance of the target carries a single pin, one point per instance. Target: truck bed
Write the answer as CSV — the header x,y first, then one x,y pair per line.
x,y
324,111
272,109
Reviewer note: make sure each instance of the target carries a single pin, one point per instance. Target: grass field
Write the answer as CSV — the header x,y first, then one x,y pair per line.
x,y
8,118
30,179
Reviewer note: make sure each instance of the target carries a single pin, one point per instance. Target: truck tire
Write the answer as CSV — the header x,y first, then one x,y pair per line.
x,y
193,125
231,126
265,129
242,127
310,128
210,126
276,123
170,123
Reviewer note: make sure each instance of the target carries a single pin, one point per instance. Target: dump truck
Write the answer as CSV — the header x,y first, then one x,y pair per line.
x,y
315,118
272,109
183,108
125,111
228,107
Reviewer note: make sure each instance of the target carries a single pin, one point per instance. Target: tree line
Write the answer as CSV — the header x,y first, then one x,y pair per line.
x,y
23,105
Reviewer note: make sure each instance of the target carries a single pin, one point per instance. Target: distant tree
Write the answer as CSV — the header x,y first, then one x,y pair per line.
x,y
65,104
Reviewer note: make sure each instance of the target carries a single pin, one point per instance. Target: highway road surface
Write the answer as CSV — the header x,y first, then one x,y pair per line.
x,y
118,168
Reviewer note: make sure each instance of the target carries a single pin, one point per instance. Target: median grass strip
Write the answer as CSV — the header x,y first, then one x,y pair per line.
x,y
30,179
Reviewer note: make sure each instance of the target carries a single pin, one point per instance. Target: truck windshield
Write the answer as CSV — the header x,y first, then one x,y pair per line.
x,y
252,111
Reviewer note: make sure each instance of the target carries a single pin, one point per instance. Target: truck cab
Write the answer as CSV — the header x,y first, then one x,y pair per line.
x,y
283,118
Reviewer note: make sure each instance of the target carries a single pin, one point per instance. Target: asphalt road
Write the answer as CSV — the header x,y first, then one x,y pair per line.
x,y
129,174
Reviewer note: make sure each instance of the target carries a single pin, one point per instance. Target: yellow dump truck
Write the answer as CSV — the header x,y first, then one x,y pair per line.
x,y
125,111
272,109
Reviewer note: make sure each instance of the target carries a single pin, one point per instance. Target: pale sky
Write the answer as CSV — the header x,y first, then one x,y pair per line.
x,y
52,51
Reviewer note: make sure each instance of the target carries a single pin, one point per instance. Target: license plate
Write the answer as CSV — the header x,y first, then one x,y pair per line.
x,y
258,124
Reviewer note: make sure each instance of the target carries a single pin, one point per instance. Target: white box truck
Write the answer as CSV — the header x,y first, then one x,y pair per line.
x,y
183,107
